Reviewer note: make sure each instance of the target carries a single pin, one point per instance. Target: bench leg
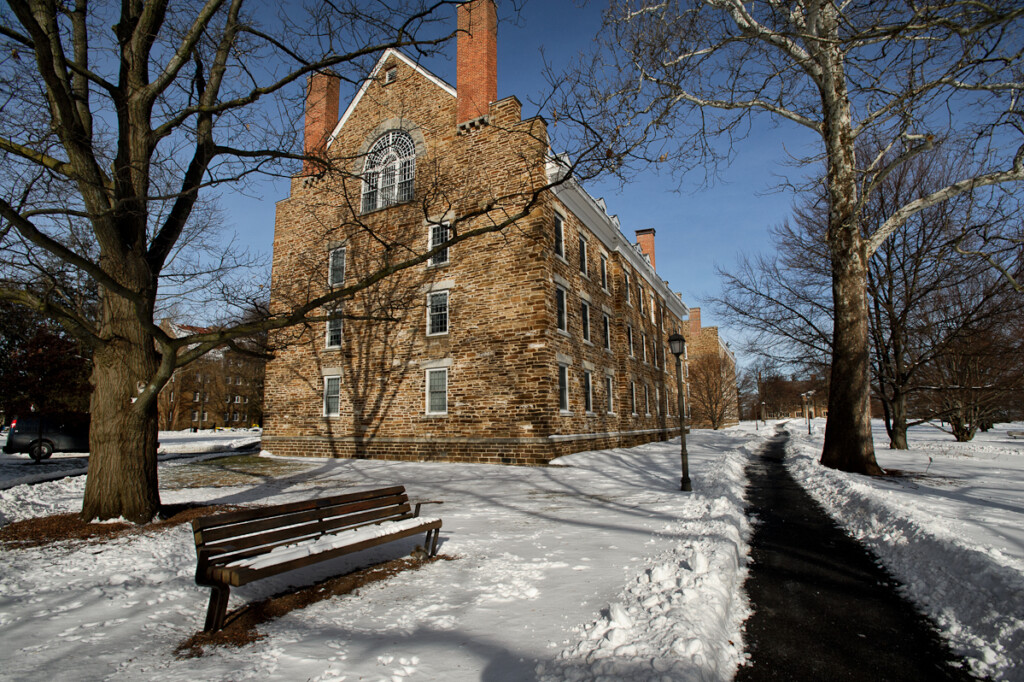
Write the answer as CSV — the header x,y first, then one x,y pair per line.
x,y
431,542
217,609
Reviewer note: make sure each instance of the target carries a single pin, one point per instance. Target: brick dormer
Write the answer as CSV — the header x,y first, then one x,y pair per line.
x,y
477,61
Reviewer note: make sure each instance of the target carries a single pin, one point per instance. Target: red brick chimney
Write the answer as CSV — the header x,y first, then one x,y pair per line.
x,y
695,322
477,64
322,93
645,238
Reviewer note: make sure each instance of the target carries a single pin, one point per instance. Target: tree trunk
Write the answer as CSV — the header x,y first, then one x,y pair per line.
x,y
122,478
898,428
848,442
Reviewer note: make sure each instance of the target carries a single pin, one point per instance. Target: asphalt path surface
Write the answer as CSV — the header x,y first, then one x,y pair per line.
x,y
823,608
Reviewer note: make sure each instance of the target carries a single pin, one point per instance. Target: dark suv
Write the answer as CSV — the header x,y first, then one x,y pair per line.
x,y
41,435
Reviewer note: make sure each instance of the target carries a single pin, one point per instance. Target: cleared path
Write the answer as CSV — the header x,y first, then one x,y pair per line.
x,y
823,608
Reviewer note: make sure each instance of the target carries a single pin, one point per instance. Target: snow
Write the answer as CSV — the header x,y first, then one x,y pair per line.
x,y
595,568
951,530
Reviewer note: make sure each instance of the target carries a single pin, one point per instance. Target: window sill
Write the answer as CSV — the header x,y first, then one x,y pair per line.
x,y
432,266
588,342
560,257
437,335
434,415
564,333
565,413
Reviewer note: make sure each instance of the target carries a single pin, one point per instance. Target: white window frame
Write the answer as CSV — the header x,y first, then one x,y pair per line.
x,y
625,288
426,385
588,391
447,312
561,304
195,415
604,272
606,320
632,397
330,328
640,298
609,389
336,263
653,307
585,318
584,261
328,379
389,171
559,247
643,344
647,401
563,388
441,257
629,339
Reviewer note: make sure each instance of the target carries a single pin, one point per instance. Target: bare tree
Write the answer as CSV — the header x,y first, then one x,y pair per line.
x,y
713,393
117,121
677,80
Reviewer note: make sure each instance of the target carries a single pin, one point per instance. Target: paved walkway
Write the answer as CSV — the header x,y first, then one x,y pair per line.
x,y
823,609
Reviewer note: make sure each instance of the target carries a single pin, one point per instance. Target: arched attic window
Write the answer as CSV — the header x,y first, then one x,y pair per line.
x,y
389,171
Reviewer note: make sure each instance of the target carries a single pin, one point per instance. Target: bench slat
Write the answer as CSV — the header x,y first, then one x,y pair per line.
x,y
289,507
237,576
212,534
232,549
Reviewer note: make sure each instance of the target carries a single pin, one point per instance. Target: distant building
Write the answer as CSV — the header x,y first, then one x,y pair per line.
x,y
715,402
221,389
513,347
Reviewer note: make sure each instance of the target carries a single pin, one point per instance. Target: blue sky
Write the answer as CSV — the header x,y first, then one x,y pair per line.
x,y
697,229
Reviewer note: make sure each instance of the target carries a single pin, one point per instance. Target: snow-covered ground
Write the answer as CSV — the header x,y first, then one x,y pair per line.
x,y
952,530
596,567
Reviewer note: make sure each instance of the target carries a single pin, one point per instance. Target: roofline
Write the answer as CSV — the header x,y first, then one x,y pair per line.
x,y
366,84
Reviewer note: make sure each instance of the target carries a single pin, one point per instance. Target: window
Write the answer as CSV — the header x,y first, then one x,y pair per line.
x,y
437,313
172,396
333,336
336,274
563,388
629,338
606,323
640,298
206,416
585,318
647,400
390,76
657,400
559,236
195,397
389,171
583,254
238,399
609,390
439,234
604,272
563,323
235,415
588,392
332,396
227,416
652,309
195,415
625,285
654,350
437,391
643,344
632,396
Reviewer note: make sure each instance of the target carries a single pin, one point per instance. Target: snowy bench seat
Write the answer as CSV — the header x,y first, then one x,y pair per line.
x,y
240,547
1015,434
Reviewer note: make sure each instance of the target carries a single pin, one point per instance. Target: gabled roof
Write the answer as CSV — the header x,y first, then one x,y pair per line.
x,y
373,74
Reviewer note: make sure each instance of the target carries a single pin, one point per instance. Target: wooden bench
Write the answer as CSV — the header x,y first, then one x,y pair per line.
x,y
1015,434
237,548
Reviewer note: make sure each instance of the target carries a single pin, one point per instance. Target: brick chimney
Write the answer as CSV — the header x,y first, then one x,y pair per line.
x,y
477,62
645,238
322,92
695,322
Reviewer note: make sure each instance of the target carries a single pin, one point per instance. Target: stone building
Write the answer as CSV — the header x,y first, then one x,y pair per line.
x,y
517,346
221,389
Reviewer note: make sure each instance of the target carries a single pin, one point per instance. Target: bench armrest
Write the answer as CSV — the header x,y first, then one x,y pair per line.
x,y
416,511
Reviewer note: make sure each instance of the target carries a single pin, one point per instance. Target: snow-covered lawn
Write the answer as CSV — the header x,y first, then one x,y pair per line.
x,y
598,566
952,531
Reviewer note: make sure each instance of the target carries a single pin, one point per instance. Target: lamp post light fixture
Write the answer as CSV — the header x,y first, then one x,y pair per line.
x,y
762,414
677,344
807,409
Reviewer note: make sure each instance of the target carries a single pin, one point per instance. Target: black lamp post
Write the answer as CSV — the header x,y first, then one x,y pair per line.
x,y
677,344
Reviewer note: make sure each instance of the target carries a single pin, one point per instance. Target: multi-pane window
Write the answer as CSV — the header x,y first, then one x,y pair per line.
x,y
389,171
652,309
609,390
629,338
654,350
563,388
560,316
583,254
437,313
439,234
585,318
333,334
588,392
559,236
332,396
640,298
604,272
625,285
607,328
336,270
643,344
437,391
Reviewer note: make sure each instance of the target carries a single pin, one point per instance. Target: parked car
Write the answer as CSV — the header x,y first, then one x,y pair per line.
x,y
41,435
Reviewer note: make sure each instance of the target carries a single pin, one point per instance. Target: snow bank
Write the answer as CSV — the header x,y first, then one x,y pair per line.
x,y
930,536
